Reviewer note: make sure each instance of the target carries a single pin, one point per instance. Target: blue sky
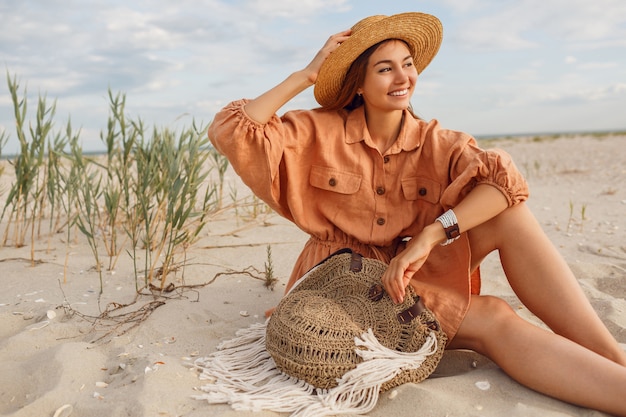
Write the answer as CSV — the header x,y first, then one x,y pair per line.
x,y
505,66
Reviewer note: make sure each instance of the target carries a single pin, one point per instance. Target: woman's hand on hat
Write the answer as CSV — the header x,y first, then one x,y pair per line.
x,y
329,47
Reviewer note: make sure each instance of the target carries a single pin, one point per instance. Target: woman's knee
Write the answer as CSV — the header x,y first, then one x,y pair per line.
x,y
486,318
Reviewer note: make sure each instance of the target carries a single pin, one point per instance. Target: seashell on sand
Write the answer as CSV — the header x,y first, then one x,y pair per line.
x,y
64,411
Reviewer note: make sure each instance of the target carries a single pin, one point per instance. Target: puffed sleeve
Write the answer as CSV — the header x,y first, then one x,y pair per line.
x,y
272,158
471,165
247,146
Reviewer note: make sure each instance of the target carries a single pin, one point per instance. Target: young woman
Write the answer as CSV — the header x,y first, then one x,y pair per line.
x,y
364,172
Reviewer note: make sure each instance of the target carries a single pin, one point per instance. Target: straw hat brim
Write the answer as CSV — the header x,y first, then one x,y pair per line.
x,y
422,32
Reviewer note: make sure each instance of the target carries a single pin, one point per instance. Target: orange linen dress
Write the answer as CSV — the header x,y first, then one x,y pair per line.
x,y
321,170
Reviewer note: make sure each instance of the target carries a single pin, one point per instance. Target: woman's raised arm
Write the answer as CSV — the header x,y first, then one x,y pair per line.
x,y
267,104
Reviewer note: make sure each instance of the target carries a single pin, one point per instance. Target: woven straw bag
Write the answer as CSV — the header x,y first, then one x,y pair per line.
x,y
313,331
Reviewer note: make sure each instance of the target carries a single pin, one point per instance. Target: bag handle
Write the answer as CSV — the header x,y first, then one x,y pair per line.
x,y
377,292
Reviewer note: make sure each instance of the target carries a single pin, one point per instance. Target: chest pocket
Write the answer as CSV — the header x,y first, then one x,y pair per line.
x,y
416,188
330,179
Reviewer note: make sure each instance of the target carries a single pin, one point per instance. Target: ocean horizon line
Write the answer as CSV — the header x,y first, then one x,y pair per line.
x,y
483,137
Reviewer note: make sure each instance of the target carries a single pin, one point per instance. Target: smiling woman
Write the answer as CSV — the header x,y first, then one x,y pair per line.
x,y
363,172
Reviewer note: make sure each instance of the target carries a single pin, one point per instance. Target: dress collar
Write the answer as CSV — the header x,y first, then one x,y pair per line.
x,y
409,138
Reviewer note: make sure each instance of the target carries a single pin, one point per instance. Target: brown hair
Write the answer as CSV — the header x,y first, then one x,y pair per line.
x,y
348,98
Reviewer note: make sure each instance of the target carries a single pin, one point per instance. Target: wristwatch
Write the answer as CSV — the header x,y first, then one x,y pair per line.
x,y
450,226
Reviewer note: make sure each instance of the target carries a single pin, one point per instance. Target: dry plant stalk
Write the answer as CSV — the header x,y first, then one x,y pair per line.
x,y
148,196
36,192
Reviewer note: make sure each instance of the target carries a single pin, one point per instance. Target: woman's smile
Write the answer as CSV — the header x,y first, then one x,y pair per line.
x,y
399,92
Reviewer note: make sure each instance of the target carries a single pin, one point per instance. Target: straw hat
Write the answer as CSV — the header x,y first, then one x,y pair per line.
x,y
422,32
311,334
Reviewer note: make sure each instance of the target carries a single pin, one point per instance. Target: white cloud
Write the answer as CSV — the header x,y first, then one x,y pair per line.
x,y
582,20
571,90
463,6
620,88
584,95
519,24
296,8
598,65
524,74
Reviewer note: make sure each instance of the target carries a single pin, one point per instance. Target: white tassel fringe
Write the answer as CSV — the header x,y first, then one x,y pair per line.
x,y
244,375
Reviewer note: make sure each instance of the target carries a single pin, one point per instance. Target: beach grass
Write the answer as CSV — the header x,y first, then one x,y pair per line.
x,y
4,138
26,199
149,196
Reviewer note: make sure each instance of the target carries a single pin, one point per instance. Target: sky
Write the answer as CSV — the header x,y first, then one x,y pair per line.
x,y
505,66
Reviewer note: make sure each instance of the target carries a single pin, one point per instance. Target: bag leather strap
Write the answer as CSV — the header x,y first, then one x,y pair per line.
x,y
377,291
414,311
356,262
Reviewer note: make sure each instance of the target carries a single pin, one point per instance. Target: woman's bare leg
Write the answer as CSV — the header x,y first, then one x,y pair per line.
x,y
540,359
542,279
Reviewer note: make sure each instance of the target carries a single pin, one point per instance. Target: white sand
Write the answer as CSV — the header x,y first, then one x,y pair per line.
x,y
47,362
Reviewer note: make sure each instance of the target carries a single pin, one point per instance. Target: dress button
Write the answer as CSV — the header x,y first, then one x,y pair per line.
x,y
380,190
386,159
422,191
332,182
380,221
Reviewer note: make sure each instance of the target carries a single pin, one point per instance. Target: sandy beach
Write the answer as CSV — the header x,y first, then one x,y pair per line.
x,y
57,357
